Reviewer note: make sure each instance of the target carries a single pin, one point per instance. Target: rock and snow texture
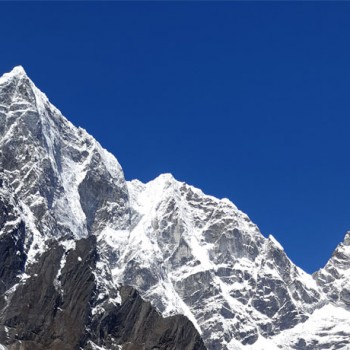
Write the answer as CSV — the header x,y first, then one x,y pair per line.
x,y
334,278
70,222
197,255
64,205
327,328
66,182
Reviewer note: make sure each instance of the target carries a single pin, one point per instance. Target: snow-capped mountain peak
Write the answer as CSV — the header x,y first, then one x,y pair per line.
x,y
17,71
334,278
48,163
72,228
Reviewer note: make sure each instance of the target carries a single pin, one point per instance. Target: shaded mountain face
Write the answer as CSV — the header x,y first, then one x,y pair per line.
x,y
91,261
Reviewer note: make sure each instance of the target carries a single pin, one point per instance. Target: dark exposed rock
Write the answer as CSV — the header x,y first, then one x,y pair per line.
x,y
52,309
137,325
49,309
12,257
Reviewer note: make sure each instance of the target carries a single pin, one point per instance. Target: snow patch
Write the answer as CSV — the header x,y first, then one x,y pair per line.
x,y
275,242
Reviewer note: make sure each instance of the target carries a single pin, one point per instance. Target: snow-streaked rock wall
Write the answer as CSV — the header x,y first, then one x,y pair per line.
x,y
200,256
72,228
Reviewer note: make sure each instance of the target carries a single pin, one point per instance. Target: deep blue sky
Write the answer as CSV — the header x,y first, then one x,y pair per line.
x,y
248,101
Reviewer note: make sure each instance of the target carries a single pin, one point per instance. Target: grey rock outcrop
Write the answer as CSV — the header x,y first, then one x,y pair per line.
x,y
334,278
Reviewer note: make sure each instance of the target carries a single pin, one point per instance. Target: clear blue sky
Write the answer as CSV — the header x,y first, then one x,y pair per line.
x,y
248,101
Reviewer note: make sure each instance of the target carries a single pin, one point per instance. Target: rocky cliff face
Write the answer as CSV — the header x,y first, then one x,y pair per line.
x,y
55,308
200,256
58,191
334,278
91,261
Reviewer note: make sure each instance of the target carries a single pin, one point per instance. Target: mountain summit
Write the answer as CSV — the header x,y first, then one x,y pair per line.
x,y
90,261
17,71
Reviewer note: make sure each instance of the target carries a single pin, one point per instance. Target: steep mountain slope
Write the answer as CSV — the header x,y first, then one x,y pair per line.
x,y
59,191
334,278
90,261
192,248
327,328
